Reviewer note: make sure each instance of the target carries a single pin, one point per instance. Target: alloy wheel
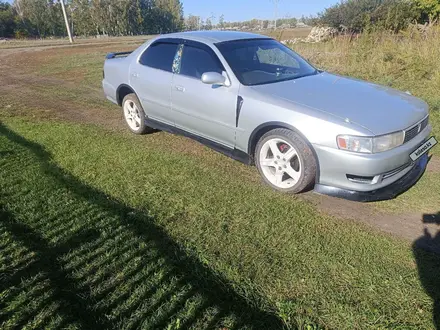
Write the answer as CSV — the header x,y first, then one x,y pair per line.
x,y
132,116
280,163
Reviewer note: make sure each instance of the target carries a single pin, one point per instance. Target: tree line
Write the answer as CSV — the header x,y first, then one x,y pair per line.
x,y
44,18
193,22
394,15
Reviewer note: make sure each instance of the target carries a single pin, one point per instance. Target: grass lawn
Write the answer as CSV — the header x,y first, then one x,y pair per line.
x,y
102,228
54,42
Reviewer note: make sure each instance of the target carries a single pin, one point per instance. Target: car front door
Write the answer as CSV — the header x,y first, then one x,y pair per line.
x,y
205,110
151,77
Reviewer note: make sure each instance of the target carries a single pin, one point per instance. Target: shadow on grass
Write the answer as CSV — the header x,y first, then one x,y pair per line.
x,y
162,285
427,253
64,289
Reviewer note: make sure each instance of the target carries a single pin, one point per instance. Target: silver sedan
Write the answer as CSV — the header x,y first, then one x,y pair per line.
x,y
254,99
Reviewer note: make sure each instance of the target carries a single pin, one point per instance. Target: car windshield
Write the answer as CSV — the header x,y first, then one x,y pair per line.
x,y
264,61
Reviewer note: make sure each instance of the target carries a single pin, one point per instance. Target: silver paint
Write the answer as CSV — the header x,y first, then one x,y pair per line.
x,y
319,107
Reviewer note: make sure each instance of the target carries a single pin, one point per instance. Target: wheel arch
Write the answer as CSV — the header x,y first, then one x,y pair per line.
x,y
262,129
122,91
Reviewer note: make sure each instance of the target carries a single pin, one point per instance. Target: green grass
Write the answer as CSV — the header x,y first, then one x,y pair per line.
x,y
287,34
102,229
107,229
53,42
423,197
86,66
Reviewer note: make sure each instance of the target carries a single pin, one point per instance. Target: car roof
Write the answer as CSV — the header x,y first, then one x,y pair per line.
x,y
213,36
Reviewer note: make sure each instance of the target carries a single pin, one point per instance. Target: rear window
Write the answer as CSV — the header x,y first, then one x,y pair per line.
x,y
159,56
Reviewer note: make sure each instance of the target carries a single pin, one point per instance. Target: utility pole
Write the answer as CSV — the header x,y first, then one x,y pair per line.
x,y
212,18
66,21
275,4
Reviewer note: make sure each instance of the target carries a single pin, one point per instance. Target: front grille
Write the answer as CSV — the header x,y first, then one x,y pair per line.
x,y
412,132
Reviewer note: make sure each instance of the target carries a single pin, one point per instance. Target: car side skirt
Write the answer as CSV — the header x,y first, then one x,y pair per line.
x,y
233,153
385,193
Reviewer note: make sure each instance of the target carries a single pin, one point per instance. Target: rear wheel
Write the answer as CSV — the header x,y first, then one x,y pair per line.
x,y
285,161
134,115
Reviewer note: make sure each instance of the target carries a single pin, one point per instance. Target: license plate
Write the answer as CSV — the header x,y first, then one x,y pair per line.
x,y
423,149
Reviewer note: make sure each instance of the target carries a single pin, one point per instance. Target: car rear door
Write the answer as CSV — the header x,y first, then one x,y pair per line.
x,y
151,77
206,110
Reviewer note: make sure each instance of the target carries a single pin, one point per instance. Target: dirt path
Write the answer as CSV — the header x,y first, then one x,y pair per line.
x,y
34,45
14,77
408,225
434,165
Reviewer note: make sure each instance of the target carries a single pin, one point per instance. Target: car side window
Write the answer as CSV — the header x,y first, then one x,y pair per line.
x,y
196,61
159,55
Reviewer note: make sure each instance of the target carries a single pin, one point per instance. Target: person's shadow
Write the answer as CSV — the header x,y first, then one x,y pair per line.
x,y
427,254
158,280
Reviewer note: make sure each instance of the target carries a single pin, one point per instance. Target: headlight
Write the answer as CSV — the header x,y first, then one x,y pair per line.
x,y
368,145
387,142
355,143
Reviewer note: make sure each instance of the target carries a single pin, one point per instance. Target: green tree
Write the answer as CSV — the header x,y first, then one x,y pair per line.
x,y
430,8
356,15
36,14
93,17
7,20
310,20
395,15
55,22
82,18
208,24
168,15
221,22
192,23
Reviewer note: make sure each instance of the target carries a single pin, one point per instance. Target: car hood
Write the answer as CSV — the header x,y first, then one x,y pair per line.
x,y
377,108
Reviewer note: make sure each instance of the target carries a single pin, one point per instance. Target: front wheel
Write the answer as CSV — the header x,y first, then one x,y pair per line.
x,y
134,115
285,161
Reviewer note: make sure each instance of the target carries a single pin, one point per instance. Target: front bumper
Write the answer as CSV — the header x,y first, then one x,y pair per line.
x,y
394,189
366,172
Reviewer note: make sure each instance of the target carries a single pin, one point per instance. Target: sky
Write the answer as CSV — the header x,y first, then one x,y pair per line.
x,y
241,10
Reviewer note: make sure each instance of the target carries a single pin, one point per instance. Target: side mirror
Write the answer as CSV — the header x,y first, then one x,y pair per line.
x,y
213,78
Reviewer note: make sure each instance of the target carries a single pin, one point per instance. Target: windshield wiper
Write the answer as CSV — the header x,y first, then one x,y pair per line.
x,y
307,74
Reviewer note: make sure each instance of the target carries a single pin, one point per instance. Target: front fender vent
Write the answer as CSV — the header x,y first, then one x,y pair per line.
x,y
360,179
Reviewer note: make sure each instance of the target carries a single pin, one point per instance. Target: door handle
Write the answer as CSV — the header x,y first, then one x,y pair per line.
x,y
135,75
180,88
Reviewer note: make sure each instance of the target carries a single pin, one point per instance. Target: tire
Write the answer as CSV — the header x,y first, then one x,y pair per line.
x,y
134,115
285,161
